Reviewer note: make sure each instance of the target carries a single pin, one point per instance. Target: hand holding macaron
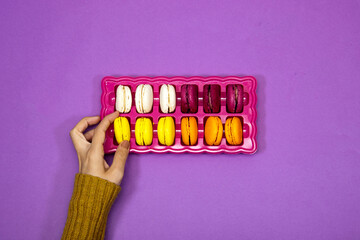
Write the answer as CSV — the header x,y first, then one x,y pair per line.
x,y
90,150
156,104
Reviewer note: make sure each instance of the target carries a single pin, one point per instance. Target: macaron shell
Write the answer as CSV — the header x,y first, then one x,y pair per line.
x,y
169,131
228,135
233,131
128,99
139,132
172,98
193,98
230,98
121,129
193,130
213,131
164,102
185,131
239,99
123,99
160,131
189,98
206,102
120,99
126,128
211,98
184,101
138,98
147,98
166,131
147,131
220,132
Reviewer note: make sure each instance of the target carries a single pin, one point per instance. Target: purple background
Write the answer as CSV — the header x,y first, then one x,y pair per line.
x,y
303,183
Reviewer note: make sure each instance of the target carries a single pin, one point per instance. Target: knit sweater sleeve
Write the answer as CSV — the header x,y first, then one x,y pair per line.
x,y
89,207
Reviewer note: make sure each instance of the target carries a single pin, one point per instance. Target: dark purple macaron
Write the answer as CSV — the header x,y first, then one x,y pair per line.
x,y
212,98
189,98
234,98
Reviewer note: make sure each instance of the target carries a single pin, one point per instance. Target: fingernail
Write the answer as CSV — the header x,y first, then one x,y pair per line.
x,y
125,144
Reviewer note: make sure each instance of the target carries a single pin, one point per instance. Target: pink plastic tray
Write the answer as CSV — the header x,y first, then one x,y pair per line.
x,y
248,116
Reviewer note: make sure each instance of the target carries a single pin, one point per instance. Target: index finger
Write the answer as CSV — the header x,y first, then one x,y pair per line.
x,y
85,123
99,135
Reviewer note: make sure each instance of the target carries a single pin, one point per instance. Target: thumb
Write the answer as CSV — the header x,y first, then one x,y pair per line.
x,y
120,157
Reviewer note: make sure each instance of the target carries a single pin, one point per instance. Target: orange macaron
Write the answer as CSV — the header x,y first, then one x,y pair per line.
x,y
189,130
233,131
213,131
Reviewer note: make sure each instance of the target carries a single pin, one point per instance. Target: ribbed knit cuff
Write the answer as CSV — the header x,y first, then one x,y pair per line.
x,y
89,207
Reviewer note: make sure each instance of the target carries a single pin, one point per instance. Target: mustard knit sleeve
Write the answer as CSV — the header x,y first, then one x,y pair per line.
x,y
89,207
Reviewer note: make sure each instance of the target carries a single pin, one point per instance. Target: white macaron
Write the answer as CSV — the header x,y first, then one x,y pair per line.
x,y
167,98
123,99
144,98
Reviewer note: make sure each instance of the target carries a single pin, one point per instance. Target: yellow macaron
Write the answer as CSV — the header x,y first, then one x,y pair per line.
x,y
122,129
213,131
166,131
143,131
233,131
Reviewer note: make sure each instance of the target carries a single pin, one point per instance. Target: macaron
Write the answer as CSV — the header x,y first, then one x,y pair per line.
x,y
122,129
167,98
143,131
144,98
189,130
123,99
189,98
212,98
233,131
213,131
166,131
234,98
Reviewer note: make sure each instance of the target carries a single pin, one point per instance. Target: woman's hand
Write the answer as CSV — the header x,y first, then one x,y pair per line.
x,y
90,149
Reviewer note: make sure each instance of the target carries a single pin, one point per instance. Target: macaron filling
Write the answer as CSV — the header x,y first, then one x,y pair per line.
x,y
142,98
142,132
231,132
210,100
188,129
187,99
236,96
